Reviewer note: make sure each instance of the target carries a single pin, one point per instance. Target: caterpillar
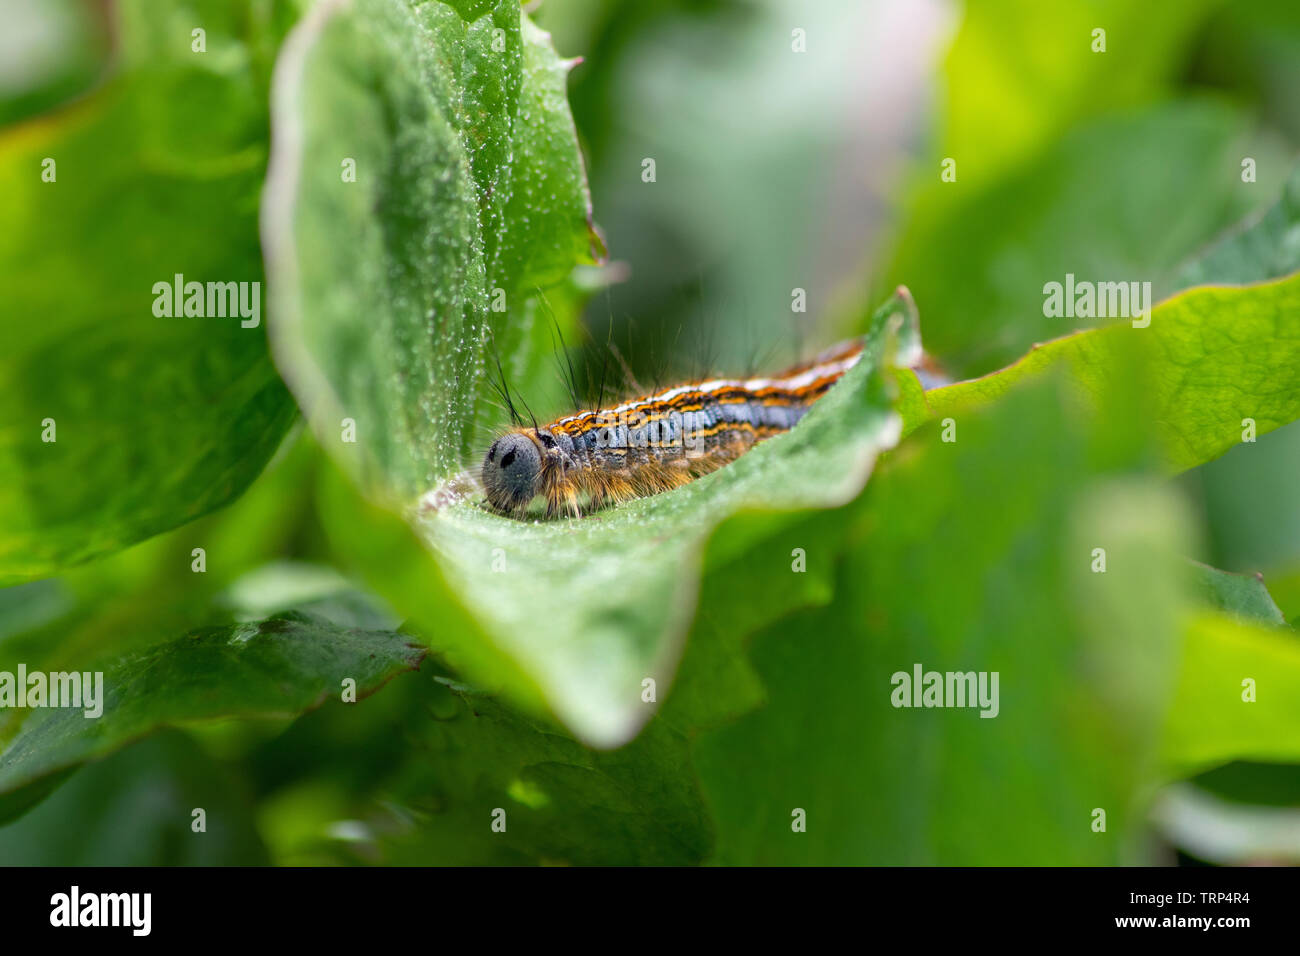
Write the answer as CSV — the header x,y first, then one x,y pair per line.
x,y
651,444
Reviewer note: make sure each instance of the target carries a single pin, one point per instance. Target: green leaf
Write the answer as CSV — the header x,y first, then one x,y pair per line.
x,y
95,610
1266,248
564,802
716,681
1095,204
637,804
156,420
1066,161
974,555
1252,510
1019,73
1267,784
1212,721
468,193
136,809
1245,639
276,667
419,773
1242,596
1214,358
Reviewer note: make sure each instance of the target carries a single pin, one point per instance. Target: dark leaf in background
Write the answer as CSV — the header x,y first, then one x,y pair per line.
x,y
156,420
276,667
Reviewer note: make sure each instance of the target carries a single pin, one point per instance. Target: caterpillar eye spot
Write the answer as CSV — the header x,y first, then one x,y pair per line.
x,y
507,459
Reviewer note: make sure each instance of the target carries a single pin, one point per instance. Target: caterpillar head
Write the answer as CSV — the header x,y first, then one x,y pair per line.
x,y
512,471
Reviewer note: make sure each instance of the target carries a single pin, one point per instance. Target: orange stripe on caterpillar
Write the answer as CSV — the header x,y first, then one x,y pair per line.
x,y
654,443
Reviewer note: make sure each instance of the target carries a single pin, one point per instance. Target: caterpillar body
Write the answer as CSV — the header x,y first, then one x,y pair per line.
x,y
654,443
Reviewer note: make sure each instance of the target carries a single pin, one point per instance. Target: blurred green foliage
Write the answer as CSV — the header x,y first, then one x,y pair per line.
x,y
162,421
775,170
